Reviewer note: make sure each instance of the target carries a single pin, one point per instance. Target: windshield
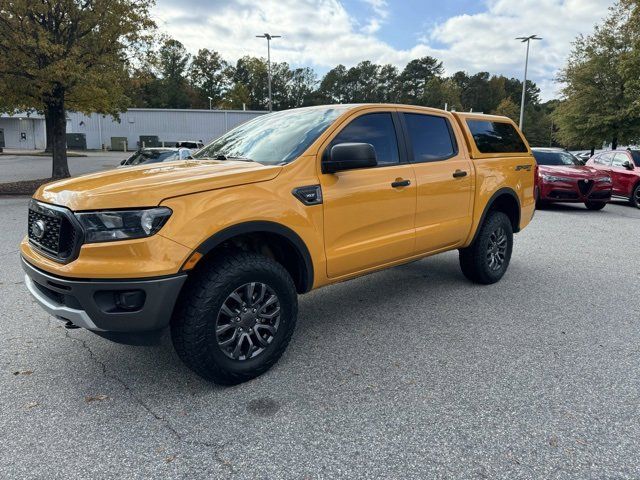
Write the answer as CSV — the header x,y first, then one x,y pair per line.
x,y
152,156
554,158
273,139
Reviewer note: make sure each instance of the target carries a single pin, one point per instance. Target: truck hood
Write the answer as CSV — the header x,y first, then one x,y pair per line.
x,y
145,186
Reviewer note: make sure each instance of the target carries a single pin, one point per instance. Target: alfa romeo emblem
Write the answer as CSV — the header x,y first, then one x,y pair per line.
x,y
38,229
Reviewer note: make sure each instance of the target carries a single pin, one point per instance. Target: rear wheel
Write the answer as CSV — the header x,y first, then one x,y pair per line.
x,y
236,319
595,205
635,196
486,260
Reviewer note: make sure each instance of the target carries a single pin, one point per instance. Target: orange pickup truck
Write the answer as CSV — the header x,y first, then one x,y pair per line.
x,y
218,247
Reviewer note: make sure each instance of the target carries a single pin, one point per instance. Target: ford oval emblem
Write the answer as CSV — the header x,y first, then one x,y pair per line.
x,y
38,229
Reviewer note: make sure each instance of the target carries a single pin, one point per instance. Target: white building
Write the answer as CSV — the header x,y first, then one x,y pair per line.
x,y
22,131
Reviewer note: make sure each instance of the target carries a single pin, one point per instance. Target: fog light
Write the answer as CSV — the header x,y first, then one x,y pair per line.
x,y
130,299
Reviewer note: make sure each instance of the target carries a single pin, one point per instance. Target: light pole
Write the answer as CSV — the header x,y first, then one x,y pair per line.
x,y
210,99
526,65
269,37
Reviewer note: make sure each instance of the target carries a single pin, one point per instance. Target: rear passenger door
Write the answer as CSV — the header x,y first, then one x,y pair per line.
x,y
444,178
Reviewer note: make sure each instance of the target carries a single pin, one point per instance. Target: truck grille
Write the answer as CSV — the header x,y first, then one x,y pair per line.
x,y
52,231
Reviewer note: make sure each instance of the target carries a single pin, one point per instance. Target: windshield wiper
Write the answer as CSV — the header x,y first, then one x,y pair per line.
x,y
222,156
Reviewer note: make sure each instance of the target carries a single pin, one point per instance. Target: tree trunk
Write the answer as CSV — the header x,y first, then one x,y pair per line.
x,y
593,151
48,131
614,143
58,118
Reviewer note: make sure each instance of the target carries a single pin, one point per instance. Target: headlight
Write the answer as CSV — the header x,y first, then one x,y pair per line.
x,y
603,180
553,178
105,226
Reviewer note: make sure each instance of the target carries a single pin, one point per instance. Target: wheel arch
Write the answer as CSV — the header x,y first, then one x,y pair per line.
x,y
504,200
280,241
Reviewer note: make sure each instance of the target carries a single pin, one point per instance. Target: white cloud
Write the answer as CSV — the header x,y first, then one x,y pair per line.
x,y
322,33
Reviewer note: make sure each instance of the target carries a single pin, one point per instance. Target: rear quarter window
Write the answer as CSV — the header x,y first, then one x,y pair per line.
x,y
496,137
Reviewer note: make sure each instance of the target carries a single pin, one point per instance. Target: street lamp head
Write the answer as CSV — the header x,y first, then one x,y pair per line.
x,y
268,37
210,98
530,37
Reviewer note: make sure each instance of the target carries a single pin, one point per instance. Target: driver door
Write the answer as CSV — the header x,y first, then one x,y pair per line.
x,y
369,213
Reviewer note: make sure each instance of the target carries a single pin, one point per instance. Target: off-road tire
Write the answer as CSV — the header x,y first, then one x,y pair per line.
x,y
595,205
193,326
474,261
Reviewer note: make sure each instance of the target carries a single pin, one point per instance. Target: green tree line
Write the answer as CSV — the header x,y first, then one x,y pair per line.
x,y
170,77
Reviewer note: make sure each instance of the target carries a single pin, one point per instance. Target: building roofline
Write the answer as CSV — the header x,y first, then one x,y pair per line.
x,y
202,110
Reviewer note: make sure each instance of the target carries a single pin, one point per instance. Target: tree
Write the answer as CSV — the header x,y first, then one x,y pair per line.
x,y
252,73
173,60
600,93
208,78
508,108
237,97
68,54
333,87
441,92
301,88
388,84
415,76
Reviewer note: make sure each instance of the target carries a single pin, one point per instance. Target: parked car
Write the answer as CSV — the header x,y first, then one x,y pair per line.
x,y
562,179
156,155
192,144
582,157
624,168
218,249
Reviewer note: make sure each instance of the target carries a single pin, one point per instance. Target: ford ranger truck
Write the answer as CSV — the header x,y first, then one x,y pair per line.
x,y
218,247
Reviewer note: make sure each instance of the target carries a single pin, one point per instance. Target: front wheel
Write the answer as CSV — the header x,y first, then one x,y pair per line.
x,y
236,318
486,260
635,196
595,205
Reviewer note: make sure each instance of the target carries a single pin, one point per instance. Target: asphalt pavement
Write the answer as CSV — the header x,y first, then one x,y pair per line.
x,y
14,168
408,373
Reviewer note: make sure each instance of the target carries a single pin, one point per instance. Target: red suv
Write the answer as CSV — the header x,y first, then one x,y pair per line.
x,y
624,168
562,179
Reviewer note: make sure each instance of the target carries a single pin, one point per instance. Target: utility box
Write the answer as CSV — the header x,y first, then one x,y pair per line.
x,y
118,144
76,141
149,141
2,145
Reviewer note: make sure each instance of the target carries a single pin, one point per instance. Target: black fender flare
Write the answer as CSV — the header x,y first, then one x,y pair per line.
x,y
498,193
265,227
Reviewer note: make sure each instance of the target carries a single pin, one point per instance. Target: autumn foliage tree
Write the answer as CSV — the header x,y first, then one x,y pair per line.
x,y
601,87
68,55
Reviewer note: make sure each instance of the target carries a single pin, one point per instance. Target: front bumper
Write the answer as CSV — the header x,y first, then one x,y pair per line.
x,y
106,305
572,192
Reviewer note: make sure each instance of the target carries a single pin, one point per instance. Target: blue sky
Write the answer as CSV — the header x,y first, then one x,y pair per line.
x,y
408,20
465,35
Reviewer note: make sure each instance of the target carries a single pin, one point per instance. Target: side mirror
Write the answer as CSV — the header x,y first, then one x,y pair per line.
x,y
628,165
349,156
123,161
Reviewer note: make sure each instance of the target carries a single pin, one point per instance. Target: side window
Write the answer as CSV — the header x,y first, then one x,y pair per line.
x,y
603,159
430,137
619,159
496,137
374,128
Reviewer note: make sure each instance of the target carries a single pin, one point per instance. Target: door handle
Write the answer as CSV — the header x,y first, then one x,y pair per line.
x,y
459,174
401,183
